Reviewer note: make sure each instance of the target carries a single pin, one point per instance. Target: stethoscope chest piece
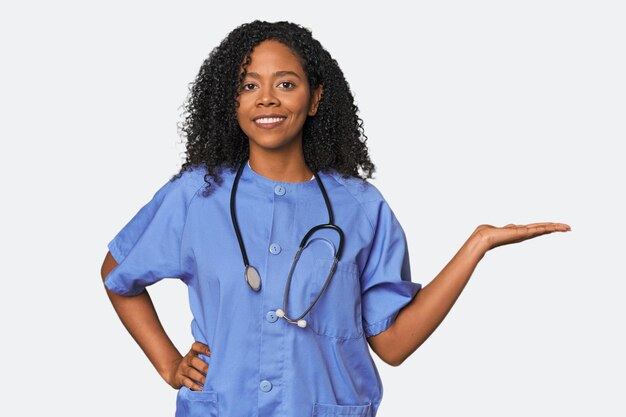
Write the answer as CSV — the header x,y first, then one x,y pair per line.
x,y
253,278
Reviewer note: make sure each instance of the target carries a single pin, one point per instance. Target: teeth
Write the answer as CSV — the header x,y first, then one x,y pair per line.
x,y
269,119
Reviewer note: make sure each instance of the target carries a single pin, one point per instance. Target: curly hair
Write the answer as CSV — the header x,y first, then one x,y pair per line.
x,y
332,139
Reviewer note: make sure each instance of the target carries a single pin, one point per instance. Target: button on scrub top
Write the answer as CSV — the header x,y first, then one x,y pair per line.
x,y
261,365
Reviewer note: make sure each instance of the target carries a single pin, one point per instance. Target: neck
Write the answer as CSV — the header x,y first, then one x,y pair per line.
x,y
281,166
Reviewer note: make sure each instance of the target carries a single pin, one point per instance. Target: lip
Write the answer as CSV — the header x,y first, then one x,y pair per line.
x,y
269,125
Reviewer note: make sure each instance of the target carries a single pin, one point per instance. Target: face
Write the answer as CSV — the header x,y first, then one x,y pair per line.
x,y
275,98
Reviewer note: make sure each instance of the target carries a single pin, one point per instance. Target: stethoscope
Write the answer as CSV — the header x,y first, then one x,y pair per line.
x,y
252,276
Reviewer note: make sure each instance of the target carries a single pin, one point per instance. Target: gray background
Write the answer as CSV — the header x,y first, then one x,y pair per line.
x,y
476,112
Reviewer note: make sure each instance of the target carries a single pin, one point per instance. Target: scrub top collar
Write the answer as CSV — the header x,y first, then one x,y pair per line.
x,y
248,162
263,185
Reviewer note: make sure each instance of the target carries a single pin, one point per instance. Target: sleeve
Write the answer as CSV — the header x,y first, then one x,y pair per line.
x,y
386,284
148,247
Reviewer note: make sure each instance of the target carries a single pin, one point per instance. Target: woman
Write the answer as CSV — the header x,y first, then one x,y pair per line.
x,y
274,148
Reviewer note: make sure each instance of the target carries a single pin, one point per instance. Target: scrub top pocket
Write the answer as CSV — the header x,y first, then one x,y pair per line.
x,y
191,403
337,314
332,410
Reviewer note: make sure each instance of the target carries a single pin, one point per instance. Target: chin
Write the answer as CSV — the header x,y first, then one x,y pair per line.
x,y
271,144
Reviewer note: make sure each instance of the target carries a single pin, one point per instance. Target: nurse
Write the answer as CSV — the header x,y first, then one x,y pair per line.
x,y
275,148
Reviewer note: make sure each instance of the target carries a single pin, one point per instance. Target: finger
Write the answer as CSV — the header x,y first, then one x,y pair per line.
x,y
195,375
200,365
537,229
201,348
558,226
552,227
519,233
191,384
192,363
542,229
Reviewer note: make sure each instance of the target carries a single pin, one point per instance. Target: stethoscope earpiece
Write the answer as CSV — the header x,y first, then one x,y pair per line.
x,y
301,323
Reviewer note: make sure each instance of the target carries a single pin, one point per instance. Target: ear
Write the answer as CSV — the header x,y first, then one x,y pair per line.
x,y
315,100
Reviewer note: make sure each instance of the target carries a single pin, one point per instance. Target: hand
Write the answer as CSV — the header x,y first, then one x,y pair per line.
x,y
493,237
190,371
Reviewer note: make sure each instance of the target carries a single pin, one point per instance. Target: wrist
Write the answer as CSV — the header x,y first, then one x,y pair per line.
x,y
477,244
168,371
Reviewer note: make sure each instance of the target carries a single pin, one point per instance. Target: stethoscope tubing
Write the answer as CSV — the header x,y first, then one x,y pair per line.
x,y
242,247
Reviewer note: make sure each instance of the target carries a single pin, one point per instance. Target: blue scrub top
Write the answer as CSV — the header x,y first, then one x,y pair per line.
x,y
261,365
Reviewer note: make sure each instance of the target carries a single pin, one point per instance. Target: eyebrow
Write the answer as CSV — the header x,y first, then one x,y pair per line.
x,y
276,74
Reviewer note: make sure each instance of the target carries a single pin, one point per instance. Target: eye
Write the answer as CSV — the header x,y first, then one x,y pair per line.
x,y
245,86
288,83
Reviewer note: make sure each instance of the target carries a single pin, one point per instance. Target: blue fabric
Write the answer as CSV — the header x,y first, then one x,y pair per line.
x,y
261,365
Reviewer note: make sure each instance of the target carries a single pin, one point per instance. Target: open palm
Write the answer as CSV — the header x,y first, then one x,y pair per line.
x,y
513,233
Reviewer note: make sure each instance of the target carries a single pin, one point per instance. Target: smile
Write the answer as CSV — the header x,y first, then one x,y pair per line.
x,y
269,122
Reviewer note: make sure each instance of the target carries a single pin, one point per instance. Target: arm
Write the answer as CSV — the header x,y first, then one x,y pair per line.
x,y
138,315
418,319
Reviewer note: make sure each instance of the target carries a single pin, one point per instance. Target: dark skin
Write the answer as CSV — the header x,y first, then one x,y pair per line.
x,y
276,153
138,315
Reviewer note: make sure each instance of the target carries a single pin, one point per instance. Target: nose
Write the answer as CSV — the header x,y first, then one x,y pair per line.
x,y
267,97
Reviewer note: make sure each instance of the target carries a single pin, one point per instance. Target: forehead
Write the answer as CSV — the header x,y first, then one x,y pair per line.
x,y
270,56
